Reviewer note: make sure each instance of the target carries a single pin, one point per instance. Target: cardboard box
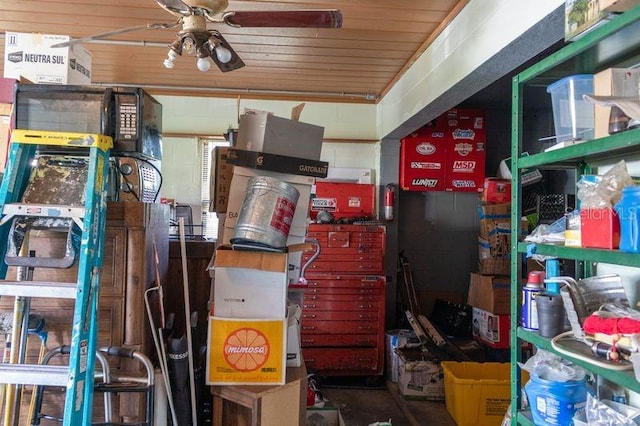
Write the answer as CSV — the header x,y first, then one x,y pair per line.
x,y
494,246
325,416
599,228
578,21
421,375
491,329
343,200
246,351
496,190
250,284
5,132
278,163
7,88
264,132
263,405
30,56
612,82
220,179
447,155
494,210
294,267
238,190
493,265
490,293
572,234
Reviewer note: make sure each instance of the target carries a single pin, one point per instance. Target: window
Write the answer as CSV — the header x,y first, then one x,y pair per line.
x,y
209,219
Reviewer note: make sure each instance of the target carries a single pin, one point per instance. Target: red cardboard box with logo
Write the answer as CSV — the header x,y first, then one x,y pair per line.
x,y
448,155
343,200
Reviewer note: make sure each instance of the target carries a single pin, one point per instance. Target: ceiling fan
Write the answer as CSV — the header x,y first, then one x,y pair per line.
x,y
208,44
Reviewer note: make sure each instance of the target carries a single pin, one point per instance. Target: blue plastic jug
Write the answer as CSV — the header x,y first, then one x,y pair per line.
x,y
628,209
553,402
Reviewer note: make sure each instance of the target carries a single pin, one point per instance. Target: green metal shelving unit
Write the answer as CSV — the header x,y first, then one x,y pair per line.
x,y
615,44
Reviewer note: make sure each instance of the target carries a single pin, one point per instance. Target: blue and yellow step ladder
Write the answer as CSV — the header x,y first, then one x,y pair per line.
x,y
77,201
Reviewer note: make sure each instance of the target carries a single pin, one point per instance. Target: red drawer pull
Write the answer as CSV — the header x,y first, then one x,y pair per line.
x,y
364,340
309,306
308,340
365,316
367,285
362,306
308,316
364,327
312,297
309,328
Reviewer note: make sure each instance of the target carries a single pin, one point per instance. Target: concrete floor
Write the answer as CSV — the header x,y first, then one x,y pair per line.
x,y
360,406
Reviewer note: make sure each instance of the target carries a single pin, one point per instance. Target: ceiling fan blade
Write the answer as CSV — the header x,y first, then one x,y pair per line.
x,y
235,61
176,7
329,18
101,36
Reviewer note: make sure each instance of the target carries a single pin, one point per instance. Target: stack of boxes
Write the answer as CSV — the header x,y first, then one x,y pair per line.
x,y
253,332
489,293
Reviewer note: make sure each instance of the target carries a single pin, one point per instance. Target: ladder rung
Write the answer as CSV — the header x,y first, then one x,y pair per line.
x,y
34,374
51,289
43,210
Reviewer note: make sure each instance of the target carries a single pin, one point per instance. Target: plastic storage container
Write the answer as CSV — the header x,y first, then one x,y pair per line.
x,y
476,393
555,403
629,215
573,117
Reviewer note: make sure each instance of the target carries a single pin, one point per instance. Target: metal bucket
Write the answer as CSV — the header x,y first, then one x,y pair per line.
x,y
266,214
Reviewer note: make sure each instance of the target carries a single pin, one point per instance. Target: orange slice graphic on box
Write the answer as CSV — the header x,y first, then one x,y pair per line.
x,y
246,349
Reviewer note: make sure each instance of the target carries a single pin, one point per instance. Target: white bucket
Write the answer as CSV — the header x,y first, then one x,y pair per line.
x,y
266,214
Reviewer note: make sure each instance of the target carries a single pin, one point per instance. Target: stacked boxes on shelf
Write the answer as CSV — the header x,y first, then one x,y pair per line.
x,y
446,155
489,293
253,333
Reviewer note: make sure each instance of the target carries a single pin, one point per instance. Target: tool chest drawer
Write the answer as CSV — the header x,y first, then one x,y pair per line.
x,y
350,340
343,312
344,361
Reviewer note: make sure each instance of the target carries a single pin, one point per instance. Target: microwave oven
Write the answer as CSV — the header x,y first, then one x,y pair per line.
x,y
131,116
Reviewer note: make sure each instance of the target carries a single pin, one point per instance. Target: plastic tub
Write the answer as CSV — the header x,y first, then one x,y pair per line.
x,y
573,117
477,393
555,403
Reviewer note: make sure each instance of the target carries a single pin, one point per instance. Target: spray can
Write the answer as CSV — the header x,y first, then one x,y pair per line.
x,y
535,284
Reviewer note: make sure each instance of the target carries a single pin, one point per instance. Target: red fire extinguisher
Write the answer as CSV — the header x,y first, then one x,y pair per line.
x,y
389,199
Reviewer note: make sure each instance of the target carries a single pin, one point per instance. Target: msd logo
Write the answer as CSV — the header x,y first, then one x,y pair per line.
x,y
427,183
461,166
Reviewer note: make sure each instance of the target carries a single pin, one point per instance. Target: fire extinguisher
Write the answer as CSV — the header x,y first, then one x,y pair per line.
x,y
389,199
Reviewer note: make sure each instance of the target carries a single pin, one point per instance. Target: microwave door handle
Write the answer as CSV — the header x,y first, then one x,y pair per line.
x,y
105,118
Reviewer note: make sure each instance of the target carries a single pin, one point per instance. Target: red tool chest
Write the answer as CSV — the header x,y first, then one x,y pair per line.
x,y
343,313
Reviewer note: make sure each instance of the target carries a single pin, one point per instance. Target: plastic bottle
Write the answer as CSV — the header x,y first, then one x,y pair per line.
x,y
628,209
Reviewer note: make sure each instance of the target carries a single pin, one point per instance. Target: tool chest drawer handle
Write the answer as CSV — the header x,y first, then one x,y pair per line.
x,y
365,316
308,340
366,306
312,297
309,328
365,327
310,305
309,316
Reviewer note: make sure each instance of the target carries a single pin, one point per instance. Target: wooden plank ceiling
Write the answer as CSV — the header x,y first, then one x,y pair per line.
x,y
379,39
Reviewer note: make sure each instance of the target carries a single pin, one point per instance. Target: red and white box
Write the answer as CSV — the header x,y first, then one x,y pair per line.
x,y
491,329
342,200
446,156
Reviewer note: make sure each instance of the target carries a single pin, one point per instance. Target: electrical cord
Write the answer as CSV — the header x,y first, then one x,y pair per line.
x,y
590,359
